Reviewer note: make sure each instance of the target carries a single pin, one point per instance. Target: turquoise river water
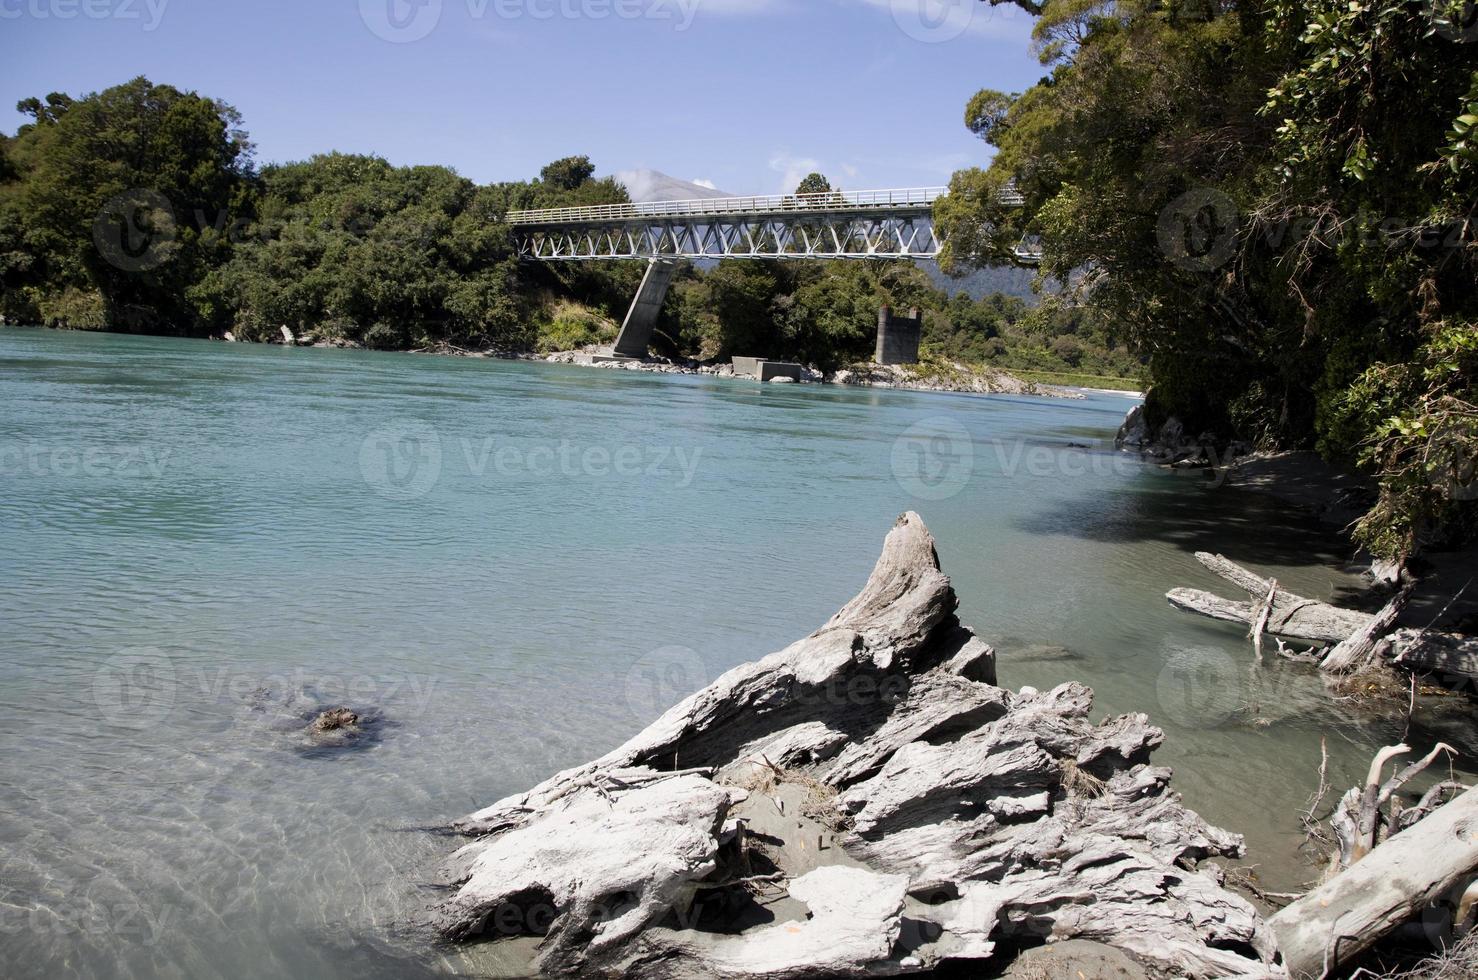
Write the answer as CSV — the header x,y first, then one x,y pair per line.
x,y
512,567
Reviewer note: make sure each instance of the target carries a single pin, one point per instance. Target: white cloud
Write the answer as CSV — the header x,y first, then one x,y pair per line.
x,y
792,169
930,21
706,183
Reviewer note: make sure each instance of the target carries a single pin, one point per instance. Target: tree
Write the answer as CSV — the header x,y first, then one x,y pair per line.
x,y
1273,203
1069,348
985,115
814,183
55,106
125,191
351,248
568,174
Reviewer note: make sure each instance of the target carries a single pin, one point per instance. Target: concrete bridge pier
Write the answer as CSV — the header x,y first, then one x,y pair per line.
x,y
898,337
641,319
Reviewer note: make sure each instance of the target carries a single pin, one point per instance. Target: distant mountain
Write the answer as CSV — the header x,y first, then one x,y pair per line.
x,y
653,186
1011,280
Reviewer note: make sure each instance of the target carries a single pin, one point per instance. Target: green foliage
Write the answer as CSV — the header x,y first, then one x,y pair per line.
x,y
177,161
73,308
1420,421
143,198
1268,201
985,115
568,174
573,327
389,257
814,184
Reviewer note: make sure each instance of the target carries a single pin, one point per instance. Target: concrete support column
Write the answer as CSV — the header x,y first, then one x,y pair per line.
x,y
898,337
641,319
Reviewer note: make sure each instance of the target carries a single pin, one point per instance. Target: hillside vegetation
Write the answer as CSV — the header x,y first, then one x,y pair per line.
x,y
1275,203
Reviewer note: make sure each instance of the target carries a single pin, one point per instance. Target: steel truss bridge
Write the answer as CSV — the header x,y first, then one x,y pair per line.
x,y
891,224
887,224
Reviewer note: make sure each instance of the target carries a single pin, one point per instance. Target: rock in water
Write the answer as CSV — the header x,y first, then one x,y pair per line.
x,y
863,802
333,720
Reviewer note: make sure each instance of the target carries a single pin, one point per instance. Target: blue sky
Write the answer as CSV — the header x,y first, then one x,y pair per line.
x,y
746,94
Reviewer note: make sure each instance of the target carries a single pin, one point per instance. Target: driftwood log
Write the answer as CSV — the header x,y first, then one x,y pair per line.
x,y
865,802
1429,652
1359,651
1359,639
1290,615
1430,862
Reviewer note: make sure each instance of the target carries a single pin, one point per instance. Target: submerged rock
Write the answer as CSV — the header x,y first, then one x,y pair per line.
x,y
863,802
306,722
334,719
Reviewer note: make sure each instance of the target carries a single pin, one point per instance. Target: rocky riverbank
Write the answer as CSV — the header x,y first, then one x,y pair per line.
x,y
931,375
865,802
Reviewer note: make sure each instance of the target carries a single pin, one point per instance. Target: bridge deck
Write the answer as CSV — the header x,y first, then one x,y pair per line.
x,y
915,200
887,224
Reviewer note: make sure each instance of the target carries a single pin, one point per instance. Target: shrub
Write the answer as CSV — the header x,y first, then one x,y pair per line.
x,y
74,309
574,327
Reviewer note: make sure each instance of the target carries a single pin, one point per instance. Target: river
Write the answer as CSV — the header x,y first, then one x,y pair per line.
x,y
517,565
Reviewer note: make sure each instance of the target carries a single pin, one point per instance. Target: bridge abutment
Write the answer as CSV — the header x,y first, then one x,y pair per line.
x,y
641,319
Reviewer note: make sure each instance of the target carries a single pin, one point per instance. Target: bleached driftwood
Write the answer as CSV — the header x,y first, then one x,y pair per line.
x,y
902,809
1289,615
1359,651
1360,639
1423,864
1360,821
1429,652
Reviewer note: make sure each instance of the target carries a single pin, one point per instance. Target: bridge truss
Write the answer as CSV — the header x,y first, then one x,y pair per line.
x,y
896,224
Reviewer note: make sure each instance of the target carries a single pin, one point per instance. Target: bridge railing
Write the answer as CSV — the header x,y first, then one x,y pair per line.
x,y
911,197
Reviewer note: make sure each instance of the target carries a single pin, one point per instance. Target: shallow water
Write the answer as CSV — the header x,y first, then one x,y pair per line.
x,y
518,565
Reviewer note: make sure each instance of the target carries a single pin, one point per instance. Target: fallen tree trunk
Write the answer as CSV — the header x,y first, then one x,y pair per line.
x,y
1358,651
1427,652
1313,622
1392,884
1290,615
